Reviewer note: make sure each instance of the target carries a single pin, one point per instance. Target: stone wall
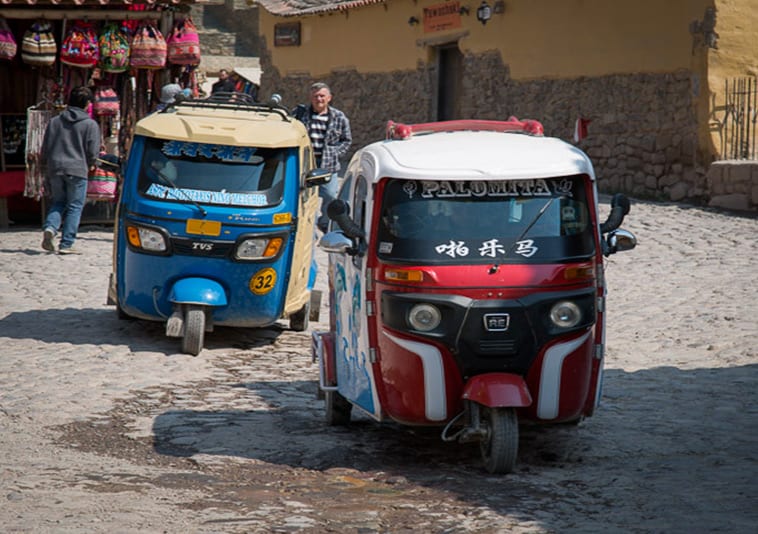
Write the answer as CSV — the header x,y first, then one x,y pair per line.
x,y
229,29
733,185
642,135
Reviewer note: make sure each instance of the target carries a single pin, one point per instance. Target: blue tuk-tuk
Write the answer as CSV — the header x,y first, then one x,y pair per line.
x,y
215,220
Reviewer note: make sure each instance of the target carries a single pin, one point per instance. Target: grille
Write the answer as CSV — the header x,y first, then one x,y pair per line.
x,y
500,347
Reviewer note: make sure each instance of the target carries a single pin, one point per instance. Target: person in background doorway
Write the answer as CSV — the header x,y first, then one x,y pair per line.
x,y
70,149
225,83
329,130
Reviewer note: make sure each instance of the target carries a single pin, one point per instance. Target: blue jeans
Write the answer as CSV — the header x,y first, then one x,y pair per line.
x,y
327,192
68,195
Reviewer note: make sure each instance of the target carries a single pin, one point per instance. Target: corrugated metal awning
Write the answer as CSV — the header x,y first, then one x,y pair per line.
x,y
97,3
292,8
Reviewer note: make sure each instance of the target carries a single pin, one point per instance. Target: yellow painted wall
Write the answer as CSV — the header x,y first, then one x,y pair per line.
x,y
735,57
536,38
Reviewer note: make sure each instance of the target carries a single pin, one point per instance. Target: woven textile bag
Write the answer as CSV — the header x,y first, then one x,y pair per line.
x,y
80,48
8,46
148,49
184,43
38,46
102,183
106,101
114,49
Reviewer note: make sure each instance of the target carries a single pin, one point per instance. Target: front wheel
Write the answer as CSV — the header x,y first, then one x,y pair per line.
x,y
499,447
337,408
194,331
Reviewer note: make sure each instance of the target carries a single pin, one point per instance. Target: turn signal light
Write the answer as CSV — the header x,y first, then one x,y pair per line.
x,y
146,239
273,247
581,272
402,275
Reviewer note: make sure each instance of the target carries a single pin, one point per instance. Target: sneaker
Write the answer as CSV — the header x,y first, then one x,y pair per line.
x,y
69,250
47,240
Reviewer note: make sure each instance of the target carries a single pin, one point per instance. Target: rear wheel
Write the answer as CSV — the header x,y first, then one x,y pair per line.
x,y
500,446
337,408
194,331
300,319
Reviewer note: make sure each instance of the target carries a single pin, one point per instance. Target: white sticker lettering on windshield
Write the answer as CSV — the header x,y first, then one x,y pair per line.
x,y
502,188
453,249
206,197
491,248
526,248
385,247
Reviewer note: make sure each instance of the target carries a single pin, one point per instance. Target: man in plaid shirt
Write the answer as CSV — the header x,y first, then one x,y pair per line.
x,y
329,130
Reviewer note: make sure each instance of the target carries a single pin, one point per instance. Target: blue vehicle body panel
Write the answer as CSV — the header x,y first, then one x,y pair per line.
x,y
148,284
201,291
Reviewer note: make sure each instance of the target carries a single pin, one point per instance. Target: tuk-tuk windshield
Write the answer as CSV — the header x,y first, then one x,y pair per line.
x,y
204,173
527,221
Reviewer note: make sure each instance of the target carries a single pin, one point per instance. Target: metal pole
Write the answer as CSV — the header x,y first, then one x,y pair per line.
x,y
755,111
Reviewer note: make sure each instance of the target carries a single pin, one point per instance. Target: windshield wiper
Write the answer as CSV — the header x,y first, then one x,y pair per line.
x,y
172,184
544,208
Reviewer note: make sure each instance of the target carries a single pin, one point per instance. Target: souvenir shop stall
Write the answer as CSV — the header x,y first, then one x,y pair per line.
x,y
125,51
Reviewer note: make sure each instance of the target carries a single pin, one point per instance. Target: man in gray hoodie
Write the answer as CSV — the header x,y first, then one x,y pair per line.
x,y
69,150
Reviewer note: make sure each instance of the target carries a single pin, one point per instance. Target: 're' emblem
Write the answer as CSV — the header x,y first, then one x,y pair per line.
x,y
496,322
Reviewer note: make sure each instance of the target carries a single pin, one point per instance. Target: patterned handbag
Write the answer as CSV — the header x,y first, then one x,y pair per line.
x,y
148,49
8,46
102,183
38,46
106,101
184,43
114,49
80,48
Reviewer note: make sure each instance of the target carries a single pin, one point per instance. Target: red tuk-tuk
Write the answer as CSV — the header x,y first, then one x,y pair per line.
x,y
466,283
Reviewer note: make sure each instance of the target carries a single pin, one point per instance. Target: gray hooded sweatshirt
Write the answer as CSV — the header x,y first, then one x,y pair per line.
x,y
71,144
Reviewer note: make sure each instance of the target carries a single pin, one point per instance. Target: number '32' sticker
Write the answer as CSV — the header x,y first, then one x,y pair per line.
x,y
263,281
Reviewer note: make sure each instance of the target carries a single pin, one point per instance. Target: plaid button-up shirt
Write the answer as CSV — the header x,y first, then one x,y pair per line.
x,y
337,139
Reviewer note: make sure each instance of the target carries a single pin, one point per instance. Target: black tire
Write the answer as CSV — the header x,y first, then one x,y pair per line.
x,y
300,320
337,409
500,448
194,331
122,314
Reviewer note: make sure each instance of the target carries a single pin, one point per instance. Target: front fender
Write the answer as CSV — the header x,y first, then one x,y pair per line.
x,y
498,390
201,291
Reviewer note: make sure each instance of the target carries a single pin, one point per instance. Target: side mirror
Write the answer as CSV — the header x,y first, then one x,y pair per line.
x,y
621,240
619,208
337,243
317,177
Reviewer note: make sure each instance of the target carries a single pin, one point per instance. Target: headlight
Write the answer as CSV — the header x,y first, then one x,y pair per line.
x,y
257,248
565,314
424,317
146,239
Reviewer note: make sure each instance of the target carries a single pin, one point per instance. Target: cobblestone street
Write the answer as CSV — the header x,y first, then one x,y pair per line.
x,y
105,427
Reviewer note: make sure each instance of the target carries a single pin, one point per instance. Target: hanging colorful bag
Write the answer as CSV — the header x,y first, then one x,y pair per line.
x,y
38,46
8,45
184,43
102,183
148,49
114,49
106,101
80,48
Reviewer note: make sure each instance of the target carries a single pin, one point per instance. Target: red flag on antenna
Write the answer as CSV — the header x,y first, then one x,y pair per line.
x,y
580,129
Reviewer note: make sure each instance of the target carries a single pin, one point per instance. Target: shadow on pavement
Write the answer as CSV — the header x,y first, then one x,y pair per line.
x,y
662,437
101,326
